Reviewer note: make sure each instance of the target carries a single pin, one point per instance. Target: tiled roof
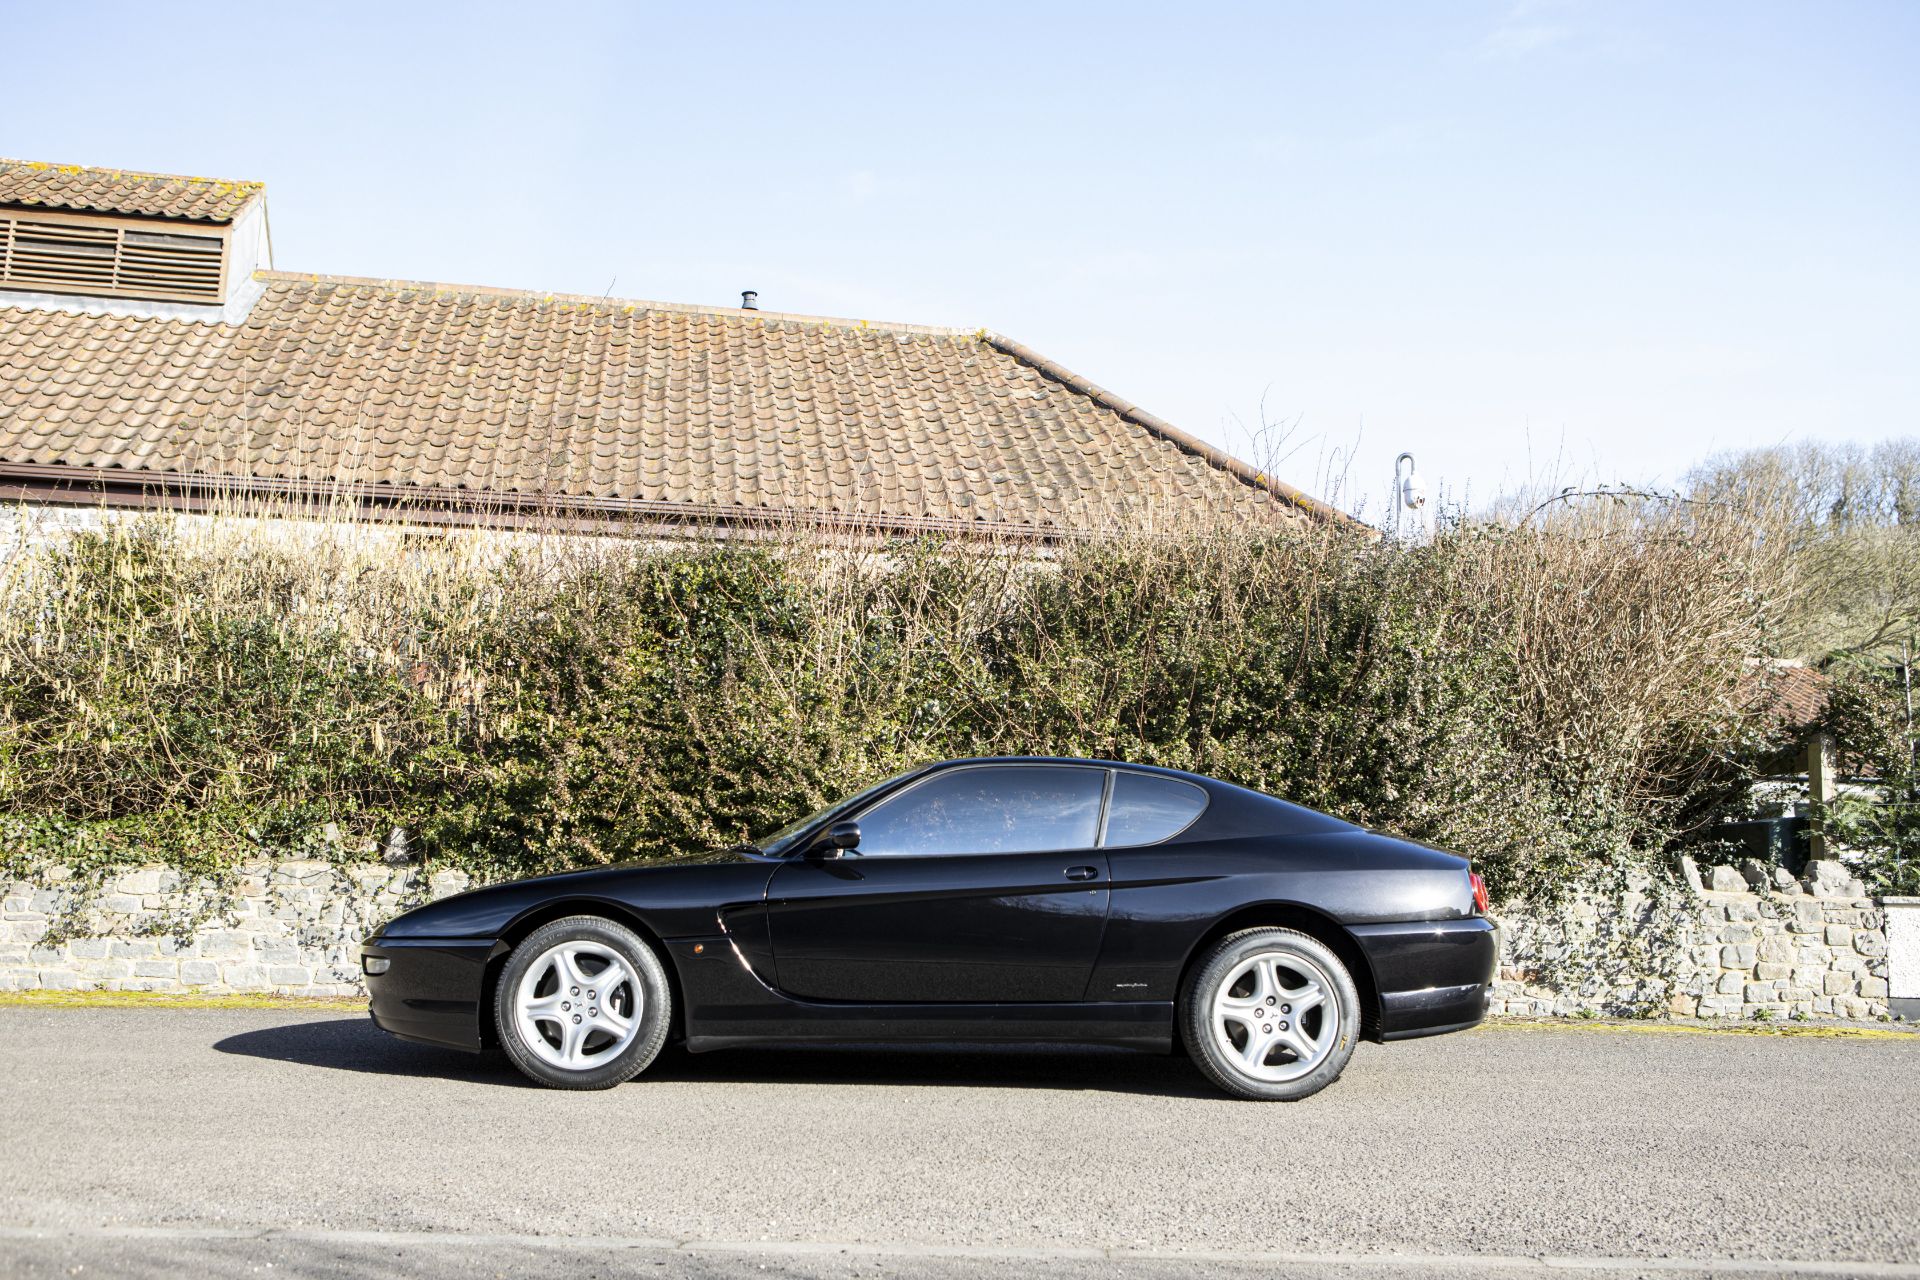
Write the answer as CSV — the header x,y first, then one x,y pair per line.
x,y
1787,694
642,407
34,184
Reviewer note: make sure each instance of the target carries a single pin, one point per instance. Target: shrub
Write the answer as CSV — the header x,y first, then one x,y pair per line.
x,y
1544,699
1871,714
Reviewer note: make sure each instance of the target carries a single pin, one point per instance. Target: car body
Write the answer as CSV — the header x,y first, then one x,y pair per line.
x,y
909,936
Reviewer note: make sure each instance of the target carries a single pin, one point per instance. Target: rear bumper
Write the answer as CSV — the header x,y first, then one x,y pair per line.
x,y
1433,976
433,988
1408,1015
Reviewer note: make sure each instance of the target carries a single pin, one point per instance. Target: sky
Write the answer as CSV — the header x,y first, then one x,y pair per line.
x,y
1532,243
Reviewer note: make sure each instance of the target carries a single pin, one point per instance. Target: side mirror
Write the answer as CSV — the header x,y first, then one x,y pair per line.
x,y
835,840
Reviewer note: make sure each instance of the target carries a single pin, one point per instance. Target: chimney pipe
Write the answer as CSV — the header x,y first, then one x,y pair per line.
x,y
749,300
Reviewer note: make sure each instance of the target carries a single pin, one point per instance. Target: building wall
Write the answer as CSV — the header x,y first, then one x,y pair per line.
x,y
26,526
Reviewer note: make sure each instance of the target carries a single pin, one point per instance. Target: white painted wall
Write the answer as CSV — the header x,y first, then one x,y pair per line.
x,y
24,526
1903,947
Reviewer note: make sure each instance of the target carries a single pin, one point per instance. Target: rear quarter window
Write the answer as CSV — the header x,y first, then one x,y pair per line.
x,y
1146,809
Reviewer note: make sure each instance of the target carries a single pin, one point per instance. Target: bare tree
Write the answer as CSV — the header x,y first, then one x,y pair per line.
x,y
1850,518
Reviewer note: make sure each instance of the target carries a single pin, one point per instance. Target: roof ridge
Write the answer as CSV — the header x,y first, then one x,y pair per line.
x,y
48,166
620,304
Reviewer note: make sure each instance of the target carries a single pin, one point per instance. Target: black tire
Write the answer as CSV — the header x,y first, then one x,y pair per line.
x,y
606,1065
1298,956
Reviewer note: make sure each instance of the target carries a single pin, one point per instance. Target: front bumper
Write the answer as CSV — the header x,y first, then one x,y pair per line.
x,y
433,990
1433,976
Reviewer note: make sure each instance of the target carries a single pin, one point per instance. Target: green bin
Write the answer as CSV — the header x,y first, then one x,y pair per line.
x,y
1779,842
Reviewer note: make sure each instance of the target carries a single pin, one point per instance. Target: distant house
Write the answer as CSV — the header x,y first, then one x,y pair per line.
x,y
149,355
1788,700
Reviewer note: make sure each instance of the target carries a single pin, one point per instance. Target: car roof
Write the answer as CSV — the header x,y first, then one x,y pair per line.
x,y
1083,761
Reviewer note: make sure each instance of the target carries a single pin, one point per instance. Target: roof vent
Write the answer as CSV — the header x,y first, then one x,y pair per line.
x,y
749,300
70,253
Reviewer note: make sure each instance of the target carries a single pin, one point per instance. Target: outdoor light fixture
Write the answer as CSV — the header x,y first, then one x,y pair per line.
x,y
1409,490
1413,490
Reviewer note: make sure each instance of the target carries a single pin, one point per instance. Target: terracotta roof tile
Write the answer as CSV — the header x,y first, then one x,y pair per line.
x,y
1787,694
442,388
35,184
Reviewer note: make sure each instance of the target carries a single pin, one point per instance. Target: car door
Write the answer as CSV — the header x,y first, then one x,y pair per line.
x,y
977,884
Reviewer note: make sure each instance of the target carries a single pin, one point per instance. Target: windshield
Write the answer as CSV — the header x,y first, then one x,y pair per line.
x,y
780,841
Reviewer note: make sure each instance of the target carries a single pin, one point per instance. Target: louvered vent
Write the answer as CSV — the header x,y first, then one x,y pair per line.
x,y
98,256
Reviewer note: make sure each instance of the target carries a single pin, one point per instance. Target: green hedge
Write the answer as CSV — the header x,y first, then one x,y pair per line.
x,y
194,692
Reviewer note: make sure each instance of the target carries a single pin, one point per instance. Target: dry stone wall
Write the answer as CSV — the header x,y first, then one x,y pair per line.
x,y
292,928
1750,942
1724,945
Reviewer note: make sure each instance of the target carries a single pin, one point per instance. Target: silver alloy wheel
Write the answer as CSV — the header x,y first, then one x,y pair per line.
x,y
1281,1008
578,1005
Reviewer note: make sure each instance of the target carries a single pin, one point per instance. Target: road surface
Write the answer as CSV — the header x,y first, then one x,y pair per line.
x,y
157,1142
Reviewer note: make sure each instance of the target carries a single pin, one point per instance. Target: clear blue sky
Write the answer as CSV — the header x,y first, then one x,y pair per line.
x,y
1623,234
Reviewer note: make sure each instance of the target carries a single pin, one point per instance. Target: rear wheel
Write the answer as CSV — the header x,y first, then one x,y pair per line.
x,y
1270,1014
583,1003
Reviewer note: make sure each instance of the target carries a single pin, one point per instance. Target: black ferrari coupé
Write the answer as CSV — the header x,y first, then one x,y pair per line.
x,y
1011,900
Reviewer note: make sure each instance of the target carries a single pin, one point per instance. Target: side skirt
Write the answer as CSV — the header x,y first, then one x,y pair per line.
x,y
1146,1026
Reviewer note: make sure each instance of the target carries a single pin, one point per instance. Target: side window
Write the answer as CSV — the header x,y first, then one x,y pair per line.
x,y
992,809
1147,809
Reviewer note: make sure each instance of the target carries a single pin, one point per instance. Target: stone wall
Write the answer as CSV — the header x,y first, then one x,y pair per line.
x,y
1750,942
288,927
1727,945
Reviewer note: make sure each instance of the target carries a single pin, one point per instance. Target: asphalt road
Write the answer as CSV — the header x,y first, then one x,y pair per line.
x,y
160,1142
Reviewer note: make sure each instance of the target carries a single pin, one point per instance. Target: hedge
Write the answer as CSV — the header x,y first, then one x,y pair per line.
x,y
198,690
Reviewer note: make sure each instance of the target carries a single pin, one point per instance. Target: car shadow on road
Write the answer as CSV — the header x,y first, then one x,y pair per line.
x,y
346,1045
948,1066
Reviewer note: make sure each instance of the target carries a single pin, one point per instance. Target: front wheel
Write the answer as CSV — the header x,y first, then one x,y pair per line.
x,y
583,1003
1270,1014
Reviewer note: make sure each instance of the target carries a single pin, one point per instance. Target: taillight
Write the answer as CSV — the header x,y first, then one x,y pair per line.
x,y
1479,892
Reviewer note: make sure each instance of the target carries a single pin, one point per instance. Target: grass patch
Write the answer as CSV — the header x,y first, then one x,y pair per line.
x,y
177,1000
1816,1030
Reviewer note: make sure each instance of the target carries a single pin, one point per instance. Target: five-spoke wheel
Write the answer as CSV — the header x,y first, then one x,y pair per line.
x,y
1270,1013
582,1004
577,1004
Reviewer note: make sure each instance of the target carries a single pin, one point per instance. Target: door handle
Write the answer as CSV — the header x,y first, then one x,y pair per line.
x,y
1082,873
